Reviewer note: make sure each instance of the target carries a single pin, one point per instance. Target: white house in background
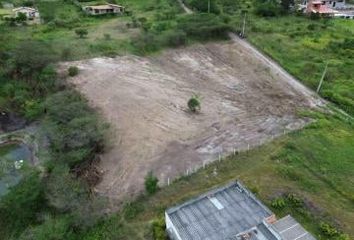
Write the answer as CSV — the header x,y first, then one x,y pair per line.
x,y
31,13
104,9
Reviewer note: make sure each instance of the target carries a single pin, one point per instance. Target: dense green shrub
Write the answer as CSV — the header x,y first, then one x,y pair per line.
x,y
328,230
151,183
165,15
73,71
311,26
347,44
295,200
73,128
278,203
204,26
161,26
174,38
53,228
315,16
30,58
22,205
145,43
229,6
32,109
81,32
267,8
21,17
204,6
194,104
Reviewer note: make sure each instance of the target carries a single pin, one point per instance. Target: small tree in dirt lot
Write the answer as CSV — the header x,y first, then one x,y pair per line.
x,y
73,71
81,32
194,104
151,182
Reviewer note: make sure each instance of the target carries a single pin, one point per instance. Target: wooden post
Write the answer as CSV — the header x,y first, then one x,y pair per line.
x,y
244,26
322,78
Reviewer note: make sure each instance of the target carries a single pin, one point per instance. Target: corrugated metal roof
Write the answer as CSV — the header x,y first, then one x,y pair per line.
x,y
289,229
205,219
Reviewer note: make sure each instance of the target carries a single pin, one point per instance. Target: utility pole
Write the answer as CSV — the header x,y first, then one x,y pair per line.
x,y
244,26
322,78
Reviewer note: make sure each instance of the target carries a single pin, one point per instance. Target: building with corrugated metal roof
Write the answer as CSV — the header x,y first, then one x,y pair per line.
x,y
230,213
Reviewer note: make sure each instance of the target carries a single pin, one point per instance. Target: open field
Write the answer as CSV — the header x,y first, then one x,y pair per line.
x,y
244,103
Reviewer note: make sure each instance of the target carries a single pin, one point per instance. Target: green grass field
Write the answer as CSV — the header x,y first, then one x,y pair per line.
x,y
304,47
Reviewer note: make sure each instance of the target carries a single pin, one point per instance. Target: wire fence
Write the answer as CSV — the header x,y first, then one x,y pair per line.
x,y
244,148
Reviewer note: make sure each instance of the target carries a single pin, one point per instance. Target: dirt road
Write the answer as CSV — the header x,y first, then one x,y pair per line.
x,y
245,102
184,7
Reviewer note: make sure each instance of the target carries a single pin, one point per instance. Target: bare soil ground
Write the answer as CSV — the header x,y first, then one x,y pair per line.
x,y
245,102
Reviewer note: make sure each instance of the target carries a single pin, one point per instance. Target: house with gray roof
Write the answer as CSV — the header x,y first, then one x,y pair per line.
x,y
230,213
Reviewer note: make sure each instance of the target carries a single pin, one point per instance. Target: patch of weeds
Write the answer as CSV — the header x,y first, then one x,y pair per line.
x,y
132,209
289,172
331,232
158,229
151,183
328,230
278,203
295,201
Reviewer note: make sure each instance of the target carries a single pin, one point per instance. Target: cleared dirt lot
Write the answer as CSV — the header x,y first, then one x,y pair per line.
x,y
245,101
